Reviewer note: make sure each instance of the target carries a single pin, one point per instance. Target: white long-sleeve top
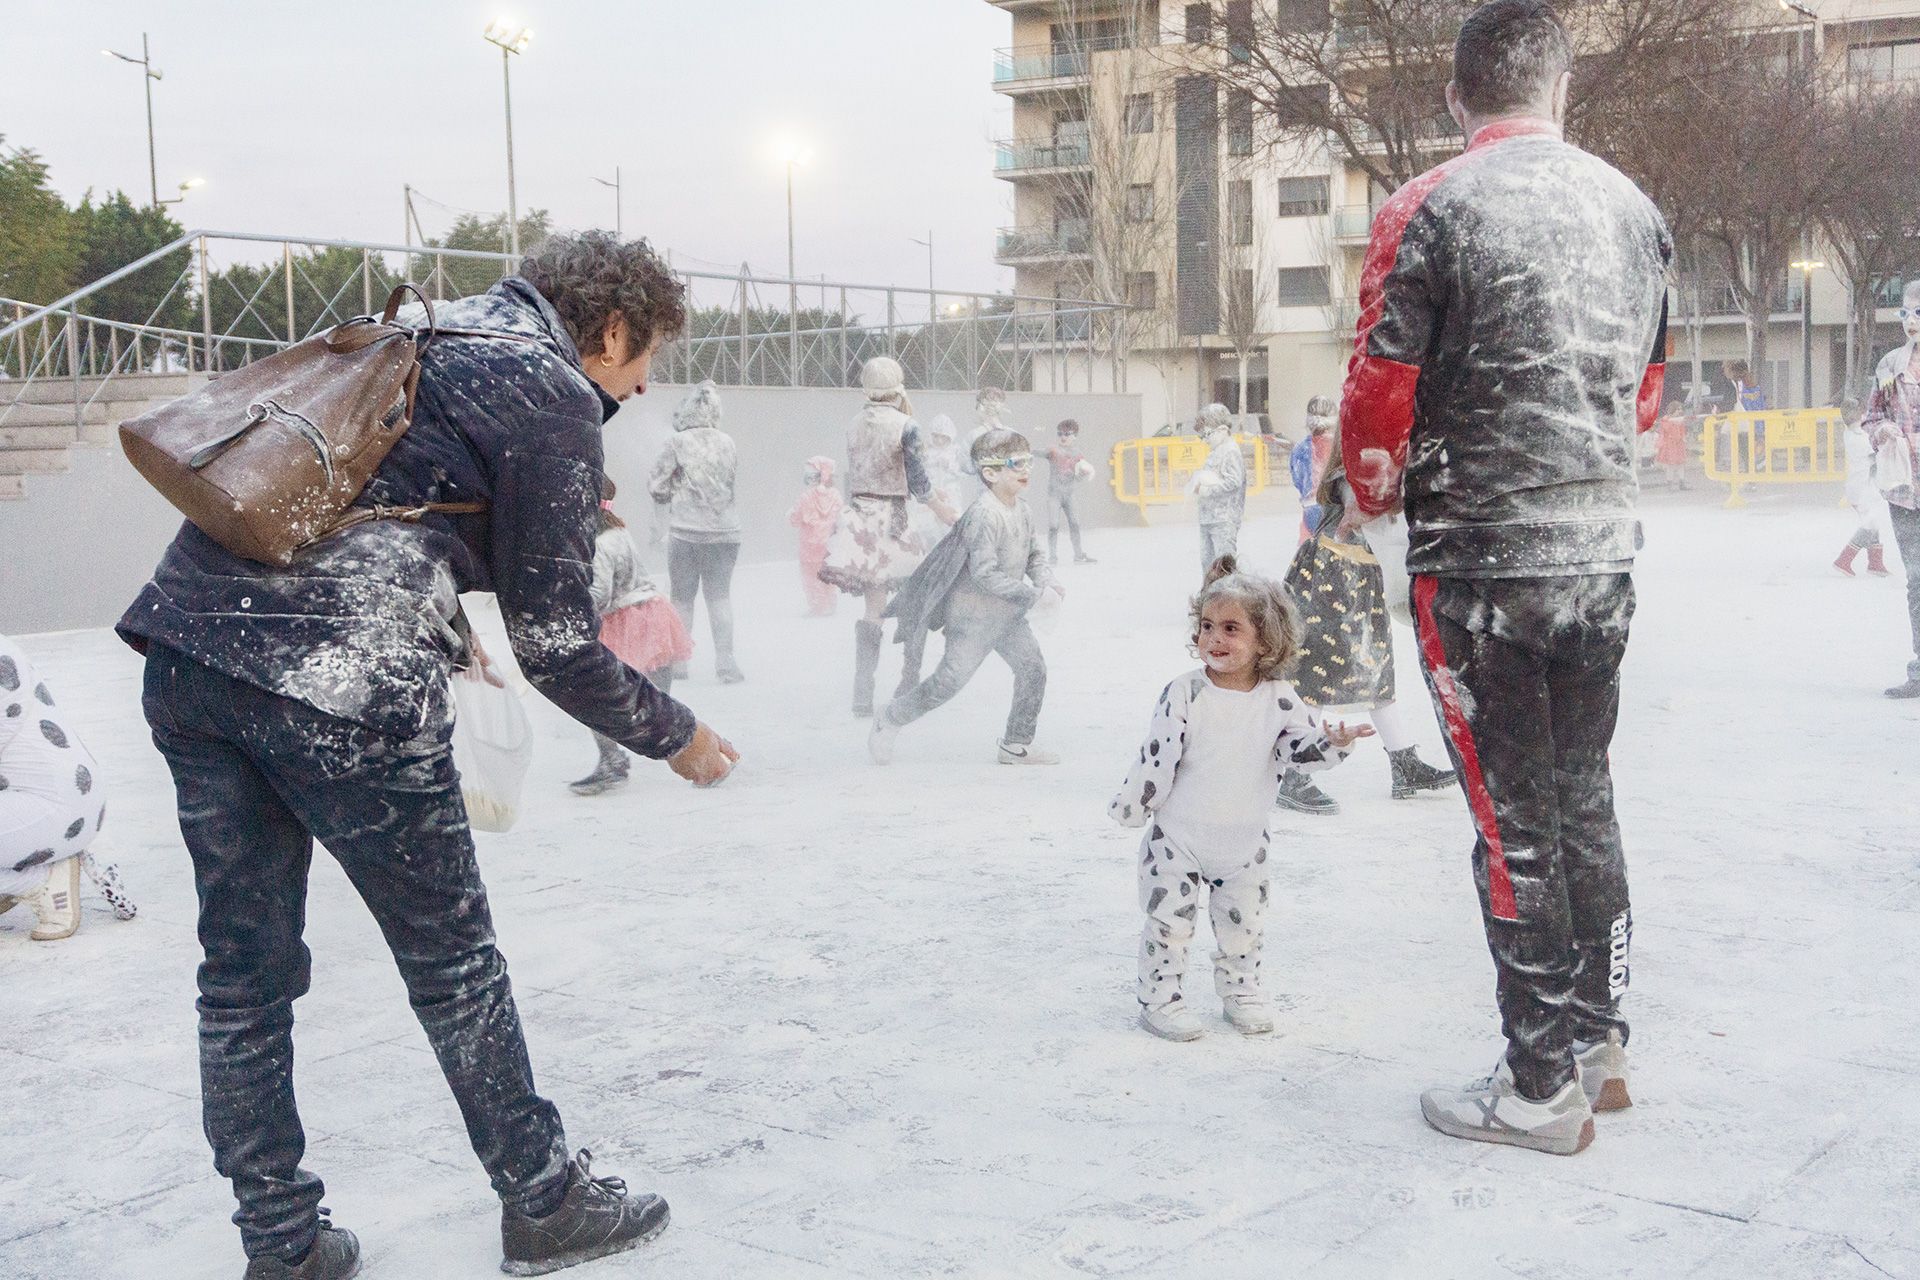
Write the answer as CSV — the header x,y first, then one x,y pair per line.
x,y
1214,757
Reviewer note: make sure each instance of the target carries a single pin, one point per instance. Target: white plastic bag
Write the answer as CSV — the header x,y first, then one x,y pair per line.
x,y
1893,465
1387,538
492,748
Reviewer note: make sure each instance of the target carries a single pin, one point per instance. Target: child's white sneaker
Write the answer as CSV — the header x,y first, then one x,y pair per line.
x,y
1602,1065
57,903
1494,1110
882,738
1174,1020
1025,753
1250,1013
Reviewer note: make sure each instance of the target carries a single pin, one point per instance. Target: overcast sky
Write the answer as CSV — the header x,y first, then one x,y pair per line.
x,y
308,119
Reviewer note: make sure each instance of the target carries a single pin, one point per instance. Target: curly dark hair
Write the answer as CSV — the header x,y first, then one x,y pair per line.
x,y
591,275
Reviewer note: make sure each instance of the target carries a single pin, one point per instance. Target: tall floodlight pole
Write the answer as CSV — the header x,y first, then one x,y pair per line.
x,y
619,232
927,244
149,73
510,40
792,155
1806,268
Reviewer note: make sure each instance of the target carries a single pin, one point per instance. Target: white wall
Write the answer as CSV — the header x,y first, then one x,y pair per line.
x,y
82,543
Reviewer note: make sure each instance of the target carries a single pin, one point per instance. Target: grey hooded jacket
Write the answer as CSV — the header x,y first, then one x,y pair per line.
x,y
694,475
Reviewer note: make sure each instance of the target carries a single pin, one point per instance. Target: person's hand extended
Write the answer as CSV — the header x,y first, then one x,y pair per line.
x,y
707,760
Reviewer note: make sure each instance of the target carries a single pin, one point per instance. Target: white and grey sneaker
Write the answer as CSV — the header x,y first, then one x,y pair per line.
x,y
1602,1065
1494,1110
1250,1013
882,737
56,904
1025,753
1174,1020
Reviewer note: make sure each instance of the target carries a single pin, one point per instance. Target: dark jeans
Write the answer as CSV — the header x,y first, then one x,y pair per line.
x,y
979,625
259,779
1906,535
1526,676
693,567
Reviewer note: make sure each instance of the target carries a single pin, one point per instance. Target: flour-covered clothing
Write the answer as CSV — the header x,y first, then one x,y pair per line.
x,y
1203,785
52,800
1512,342
874,546
1893,413
696,472
638,623
1346,638
361,626
1221,486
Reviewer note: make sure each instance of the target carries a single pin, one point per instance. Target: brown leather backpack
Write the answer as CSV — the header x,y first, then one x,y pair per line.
x,y
268,459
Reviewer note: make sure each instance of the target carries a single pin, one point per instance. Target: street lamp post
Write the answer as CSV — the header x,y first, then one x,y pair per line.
x,y
185,187
510,40
619,231
928,245
1806,268
149,73
792,155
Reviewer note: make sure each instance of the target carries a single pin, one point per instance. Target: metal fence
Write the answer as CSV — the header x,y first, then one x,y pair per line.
x,y
226,299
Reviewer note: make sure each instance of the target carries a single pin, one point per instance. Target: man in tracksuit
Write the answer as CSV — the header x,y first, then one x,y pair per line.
x,y
1511,343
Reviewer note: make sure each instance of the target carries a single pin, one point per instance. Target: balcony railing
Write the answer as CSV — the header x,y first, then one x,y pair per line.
x,y
1032,244
1353,223
1071,61
1028,157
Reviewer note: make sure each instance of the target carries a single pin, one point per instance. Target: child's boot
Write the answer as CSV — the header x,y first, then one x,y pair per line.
x,y
883,736
1877,560
1412,775
56,903
1844,562
866,661
1174,1020
1025,753
913,651
1249,1012
611,772
1298,793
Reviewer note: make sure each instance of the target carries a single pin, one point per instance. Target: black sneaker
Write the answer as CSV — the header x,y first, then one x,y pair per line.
x,y
594,1219
1298,793
335,1255
1911,689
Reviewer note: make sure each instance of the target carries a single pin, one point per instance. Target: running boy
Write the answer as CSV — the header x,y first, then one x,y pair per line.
x,y
1220,739
978,586
1070,470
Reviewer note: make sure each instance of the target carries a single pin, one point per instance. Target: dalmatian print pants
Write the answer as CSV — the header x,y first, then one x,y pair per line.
x,y
1175,879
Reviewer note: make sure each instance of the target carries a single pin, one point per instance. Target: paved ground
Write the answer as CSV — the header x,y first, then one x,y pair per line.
x,y
874,1024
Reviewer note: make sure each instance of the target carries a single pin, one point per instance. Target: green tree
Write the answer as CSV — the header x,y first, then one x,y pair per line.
x,y
115,232
37,253
463,276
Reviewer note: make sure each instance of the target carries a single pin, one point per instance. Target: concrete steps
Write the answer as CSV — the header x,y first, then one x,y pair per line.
x,y
53,415
37,434
126,386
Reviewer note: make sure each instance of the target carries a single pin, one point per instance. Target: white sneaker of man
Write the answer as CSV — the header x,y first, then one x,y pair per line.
x,y
1174,1020
1603,1072
1494,1110
1250,1013
57,903
882,738
1025,753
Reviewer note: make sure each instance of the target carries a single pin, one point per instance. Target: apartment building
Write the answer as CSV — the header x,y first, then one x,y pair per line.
x,y
1131,180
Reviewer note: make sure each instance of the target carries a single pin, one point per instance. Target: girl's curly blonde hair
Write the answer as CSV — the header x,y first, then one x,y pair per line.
x,y
1276,620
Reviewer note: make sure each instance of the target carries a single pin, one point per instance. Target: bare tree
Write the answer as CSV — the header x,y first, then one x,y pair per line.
x,y
1870,211
1246,283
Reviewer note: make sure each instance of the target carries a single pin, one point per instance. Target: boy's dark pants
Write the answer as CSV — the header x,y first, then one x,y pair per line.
x,y
259,779
1526,676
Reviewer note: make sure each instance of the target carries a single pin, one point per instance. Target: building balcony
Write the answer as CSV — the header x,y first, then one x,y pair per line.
x,y
1015,159
1021,246
1046,68
1353,224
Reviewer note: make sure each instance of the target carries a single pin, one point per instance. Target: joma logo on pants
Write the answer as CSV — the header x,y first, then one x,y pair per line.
x,y
1621,934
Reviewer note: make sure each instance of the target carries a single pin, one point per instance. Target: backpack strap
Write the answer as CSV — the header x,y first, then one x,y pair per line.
x,y
357,516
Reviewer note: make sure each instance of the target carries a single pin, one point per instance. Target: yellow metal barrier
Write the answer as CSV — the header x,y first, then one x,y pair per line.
x,y
1804,446
1155,471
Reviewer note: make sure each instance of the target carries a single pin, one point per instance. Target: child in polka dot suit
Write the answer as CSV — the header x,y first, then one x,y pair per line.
x,y
1220,739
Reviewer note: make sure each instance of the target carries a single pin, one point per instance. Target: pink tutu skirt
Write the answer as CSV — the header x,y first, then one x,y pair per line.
x,y
647,636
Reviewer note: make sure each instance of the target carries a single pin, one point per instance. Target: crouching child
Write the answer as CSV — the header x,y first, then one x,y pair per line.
x,y
978,586
1220,739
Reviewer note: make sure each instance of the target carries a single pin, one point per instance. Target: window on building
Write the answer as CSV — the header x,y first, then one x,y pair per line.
x,y
1302,15
1240,30
1139,113
1143,291
1299,106
1303,287
1885,63
1239,122
1303,197
1199,23
1240,211
1140,202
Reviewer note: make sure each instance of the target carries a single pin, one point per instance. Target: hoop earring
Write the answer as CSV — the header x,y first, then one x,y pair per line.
x,y
606,361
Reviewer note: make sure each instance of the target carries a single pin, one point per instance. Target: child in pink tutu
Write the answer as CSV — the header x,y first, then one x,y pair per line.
x,y
637,622
815,516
